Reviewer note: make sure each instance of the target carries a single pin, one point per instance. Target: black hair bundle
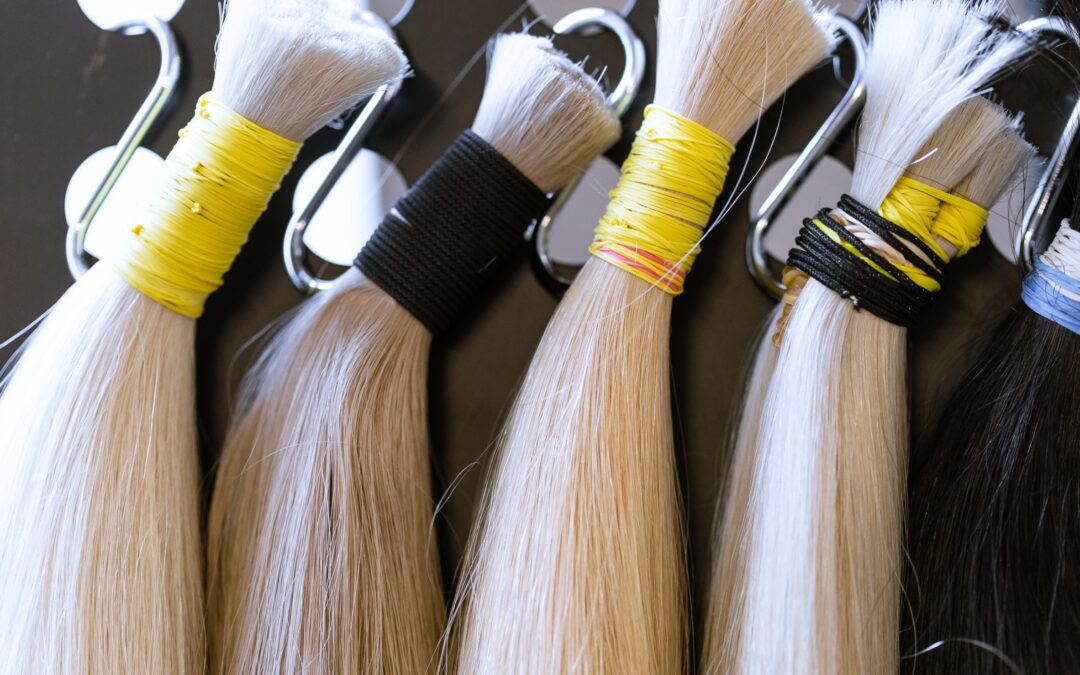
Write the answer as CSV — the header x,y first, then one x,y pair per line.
x,y
994,530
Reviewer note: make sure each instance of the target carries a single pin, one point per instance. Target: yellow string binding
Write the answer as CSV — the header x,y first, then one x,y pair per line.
x,y
930,214
218,179
961,223
919,208
662,203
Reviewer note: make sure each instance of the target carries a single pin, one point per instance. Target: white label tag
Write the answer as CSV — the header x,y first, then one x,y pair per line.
x,y
121,209
353,209
572,230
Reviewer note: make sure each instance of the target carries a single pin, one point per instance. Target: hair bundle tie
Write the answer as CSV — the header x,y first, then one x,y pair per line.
x,y
960,222
217,181
898,287
466,215
662,203
1052,289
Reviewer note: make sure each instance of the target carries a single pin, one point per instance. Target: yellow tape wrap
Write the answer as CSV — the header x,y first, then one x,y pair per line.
x,y
661,206
217,181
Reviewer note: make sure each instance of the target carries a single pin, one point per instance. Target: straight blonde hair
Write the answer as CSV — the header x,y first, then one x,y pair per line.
x,y
101,563
576,563
321,546
807,578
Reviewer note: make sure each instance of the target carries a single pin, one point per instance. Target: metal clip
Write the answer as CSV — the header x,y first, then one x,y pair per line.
x,y
756,257
148,113
619,100
1037,213
293,250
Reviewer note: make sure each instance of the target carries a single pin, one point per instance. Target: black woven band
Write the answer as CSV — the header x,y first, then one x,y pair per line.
x,y
441,240
898,300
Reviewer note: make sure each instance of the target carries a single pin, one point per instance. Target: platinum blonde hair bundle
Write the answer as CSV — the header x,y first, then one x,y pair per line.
x,y
809,534
101,566
576,563
322,556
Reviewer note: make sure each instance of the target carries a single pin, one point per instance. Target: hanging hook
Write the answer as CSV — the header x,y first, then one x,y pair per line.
x,y
1040,209
619,100
756,258
575,23
293,250
149,112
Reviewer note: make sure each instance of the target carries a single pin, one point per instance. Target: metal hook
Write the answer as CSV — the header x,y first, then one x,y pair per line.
x,y
575,23
293,250
619,100
1040,209
394,11
756,258
148,113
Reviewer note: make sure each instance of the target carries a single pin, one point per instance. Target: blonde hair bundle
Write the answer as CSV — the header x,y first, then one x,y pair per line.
x,y
576,563
101,567
809,537
321,545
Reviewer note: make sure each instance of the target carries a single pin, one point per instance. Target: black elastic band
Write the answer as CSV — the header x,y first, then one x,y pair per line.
x,y
468,213
899,300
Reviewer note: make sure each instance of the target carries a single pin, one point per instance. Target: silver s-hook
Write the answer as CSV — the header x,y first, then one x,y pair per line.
x,y
1039,210
849,106
293,250
148,113
619,100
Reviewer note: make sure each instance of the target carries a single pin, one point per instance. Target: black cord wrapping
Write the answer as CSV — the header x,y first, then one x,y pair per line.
x,y
899,300
467,214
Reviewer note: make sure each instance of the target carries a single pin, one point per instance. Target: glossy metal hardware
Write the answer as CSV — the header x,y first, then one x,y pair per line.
x,y
293,249
553,8
619,100
756,258
148,113
1040,209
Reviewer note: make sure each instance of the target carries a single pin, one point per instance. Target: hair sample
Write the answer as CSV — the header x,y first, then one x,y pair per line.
x,y
576,563
995,500
321,549
101,566
809,528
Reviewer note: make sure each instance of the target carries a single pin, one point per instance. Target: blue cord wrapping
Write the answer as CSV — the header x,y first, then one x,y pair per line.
x,y
1046,292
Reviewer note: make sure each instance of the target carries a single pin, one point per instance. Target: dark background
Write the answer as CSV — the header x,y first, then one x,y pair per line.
x,y
69,89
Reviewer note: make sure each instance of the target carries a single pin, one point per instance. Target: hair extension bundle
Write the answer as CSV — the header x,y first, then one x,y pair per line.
x,y
806,578
995,497
577,562
322,556
995,506
100,568
977,133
